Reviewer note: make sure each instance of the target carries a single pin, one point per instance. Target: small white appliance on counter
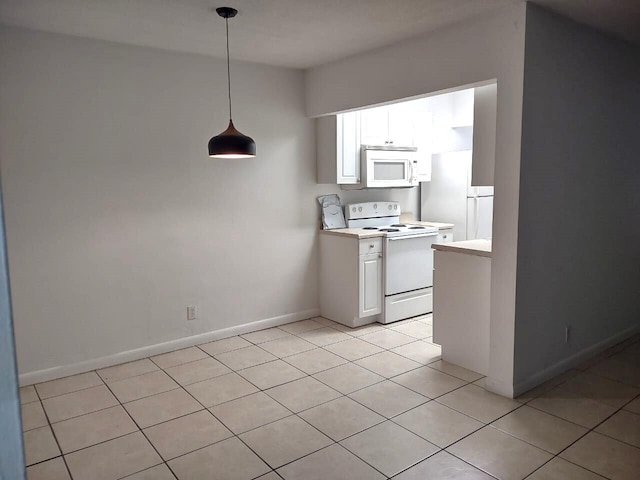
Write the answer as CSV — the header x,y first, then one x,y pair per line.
x,y
389,166
449,197
378,269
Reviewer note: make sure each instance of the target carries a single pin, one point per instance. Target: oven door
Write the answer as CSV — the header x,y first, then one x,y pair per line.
x,y
408,262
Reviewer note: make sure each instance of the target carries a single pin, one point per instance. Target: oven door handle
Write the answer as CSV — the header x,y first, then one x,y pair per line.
x,y
407,237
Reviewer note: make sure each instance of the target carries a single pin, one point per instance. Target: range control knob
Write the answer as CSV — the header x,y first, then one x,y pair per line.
x,y
375,206
359,209
353,209
395,207
390,207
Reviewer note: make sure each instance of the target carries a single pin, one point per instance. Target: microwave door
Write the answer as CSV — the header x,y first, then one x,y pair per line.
x,y
391,171
388,168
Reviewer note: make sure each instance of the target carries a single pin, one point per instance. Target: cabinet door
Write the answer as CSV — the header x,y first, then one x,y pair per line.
x,y
423,141
445,236
402,124
374,126
348,145
370,285
484,135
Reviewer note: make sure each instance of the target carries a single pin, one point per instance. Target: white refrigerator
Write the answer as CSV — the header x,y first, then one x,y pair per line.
x,y
450,198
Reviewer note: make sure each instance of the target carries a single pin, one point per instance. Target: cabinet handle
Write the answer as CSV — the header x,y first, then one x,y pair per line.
x,y
380,255
371,246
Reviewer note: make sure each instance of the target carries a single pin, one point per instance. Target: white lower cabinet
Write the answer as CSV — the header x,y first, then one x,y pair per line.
x,y
370,285
350,279
445,235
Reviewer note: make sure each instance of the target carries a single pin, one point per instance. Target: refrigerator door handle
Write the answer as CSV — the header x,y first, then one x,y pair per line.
x,y
476,204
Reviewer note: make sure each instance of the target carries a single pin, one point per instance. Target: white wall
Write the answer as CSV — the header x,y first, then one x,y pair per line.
x,y
117,219
579,222
477,50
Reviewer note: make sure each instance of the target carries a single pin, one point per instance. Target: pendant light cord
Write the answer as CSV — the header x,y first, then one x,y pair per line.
x,y
228,67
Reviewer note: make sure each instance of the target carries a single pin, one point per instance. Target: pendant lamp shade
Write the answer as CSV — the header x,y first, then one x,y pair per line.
x,y
230,143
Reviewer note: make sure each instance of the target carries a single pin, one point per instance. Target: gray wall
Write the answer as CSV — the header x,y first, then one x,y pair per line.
x,y
11,454
117,219
579,220
479,49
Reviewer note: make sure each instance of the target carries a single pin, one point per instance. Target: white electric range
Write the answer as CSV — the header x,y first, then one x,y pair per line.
x,y
407,258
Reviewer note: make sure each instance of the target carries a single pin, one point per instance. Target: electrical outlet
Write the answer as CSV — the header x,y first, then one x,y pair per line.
x,y
567,330
191,313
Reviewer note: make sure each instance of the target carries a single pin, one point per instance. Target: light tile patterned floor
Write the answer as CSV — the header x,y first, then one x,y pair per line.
x,y
317,400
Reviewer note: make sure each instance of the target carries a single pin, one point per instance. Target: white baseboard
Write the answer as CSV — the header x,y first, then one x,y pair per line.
x,y
572,361
499,388
53,373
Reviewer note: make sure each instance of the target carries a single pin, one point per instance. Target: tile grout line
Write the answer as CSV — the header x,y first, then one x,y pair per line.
x,y
587,432
234,435
347,395
365,429
143,434
55,437
296,414
342,395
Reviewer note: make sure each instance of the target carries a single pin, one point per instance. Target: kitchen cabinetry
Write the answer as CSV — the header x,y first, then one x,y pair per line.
x,y
370,285
461,303
350,279
339,138
389,125
445,235
338,149
484,135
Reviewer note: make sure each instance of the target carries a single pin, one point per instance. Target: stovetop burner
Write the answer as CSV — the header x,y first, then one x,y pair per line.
x,y
416,228
389,230
398,225
370,228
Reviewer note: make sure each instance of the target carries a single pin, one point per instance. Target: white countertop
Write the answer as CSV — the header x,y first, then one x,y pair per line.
x,y
360,233
478,247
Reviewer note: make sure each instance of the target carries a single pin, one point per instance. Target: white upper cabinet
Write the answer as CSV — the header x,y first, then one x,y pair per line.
x,y
339,139
389,125
374,126
338,149
402,124
423,138
484,135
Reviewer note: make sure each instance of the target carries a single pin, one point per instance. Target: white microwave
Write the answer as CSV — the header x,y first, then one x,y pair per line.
x,y
388,166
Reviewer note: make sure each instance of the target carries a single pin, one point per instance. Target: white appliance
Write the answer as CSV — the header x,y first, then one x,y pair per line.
x,y
389,166
407,258
450,198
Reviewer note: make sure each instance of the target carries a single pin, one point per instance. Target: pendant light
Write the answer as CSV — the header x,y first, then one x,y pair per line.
x,y
230,143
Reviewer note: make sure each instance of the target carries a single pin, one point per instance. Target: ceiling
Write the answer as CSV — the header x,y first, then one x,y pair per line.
x,y
291,33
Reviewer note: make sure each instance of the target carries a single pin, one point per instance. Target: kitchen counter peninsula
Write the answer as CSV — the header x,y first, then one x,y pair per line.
x,y
461,302
479,247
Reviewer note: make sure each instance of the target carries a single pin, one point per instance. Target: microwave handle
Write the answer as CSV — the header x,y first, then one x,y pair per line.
x,y
412,174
